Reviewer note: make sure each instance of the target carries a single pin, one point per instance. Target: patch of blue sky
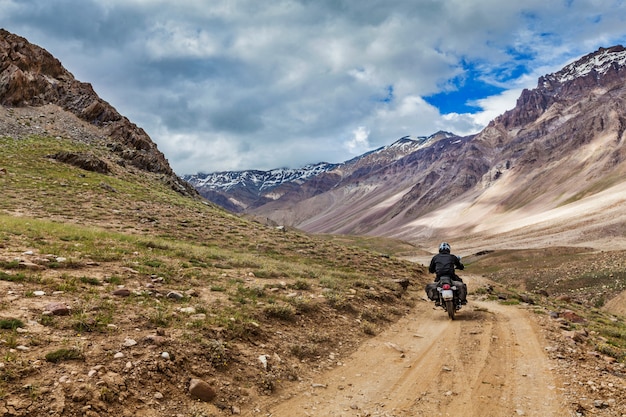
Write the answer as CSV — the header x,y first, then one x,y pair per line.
x,y
480,80
463,99
460,94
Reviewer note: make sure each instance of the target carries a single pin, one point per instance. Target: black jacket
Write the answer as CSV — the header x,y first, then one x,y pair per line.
x,y
444,264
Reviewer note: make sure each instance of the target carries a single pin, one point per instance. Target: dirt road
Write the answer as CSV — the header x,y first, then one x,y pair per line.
x,y
489,362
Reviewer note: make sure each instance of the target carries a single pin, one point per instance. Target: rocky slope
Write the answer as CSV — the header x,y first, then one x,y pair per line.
x,y
558,156
31,77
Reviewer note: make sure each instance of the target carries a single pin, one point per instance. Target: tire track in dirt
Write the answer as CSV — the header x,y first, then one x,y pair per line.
x,y
489,362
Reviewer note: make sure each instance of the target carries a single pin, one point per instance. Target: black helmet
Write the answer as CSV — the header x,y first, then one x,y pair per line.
x,y
444,247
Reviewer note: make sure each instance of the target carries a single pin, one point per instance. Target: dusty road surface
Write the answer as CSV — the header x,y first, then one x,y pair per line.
x,y
489,362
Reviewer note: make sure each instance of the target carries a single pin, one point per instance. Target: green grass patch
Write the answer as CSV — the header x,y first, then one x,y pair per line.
x,y
62,355
11,324
11,277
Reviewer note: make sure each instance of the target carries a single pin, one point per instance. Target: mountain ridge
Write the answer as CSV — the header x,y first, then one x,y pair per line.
x,y
241,190
563,142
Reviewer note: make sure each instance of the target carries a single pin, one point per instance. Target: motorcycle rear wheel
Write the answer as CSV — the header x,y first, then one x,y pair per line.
x,y
450,309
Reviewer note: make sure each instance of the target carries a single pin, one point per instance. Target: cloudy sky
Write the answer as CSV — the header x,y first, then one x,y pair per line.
x,y
261,84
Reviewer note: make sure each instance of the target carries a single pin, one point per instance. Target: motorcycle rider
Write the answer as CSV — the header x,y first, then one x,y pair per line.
x,y
444,263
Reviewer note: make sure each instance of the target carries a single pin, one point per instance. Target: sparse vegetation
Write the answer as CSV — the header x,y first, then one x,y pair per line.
x,y
61,355
280,311
11,324
247,289
563,279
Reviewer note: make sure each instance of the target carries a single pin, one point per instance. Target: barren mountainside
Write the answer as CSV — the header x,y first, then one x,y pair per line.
x,y
554,157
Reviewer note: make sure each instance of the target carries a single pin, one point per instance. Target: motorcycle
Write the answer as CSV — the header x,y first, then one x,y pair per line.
x,y
448,296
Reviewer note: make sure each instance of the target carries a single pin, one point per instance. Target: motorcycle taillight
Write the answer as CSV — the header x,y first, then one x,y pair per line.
x,y
446,286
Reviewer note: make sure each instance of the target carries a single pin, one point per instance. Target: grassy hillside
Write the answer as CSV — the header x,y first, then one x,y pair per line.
x,y
163,289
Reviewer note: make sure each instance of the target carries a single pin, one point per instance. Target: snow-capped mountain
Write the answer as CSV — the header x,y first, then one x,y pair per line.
x,y
242,190
598,63
261,180
555,164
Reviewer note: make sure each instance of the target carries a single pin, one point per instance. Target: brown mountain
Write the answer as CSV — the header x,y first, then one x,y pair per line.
x,y
30,77
552,166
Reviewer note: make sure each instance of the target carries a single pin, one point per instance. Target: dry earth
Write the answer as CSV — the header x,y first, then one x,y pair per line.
x,y
494,360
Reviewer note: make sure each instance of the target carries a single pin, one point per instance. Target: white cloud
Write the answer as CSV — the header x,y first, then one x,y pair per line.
x,y
494,106
359,143
245,84
170,40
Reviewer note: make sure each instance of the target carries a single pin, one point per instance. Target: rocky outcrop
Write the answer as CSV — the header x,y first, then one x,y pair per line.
x,y
603,68
31,76
83,161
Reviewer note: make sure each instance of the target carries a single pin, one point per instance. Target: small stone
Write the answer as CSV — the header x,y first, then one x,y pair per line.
x,y
165,355
155,340
175,295
600,404
572,317
122,292
191,293
118,355
235,410
31,265
264,361
129,342
201,390
58,309
39,293
158,396
526,299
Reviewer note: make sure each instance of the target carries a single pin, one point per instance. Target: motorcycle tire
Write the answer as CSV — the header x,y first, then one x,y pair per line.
x,y
450,309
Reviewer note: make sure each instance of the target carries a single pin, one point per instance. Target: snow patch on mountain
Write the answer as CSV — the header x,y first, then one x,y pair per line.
x,y
263,182
600,62
259,180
